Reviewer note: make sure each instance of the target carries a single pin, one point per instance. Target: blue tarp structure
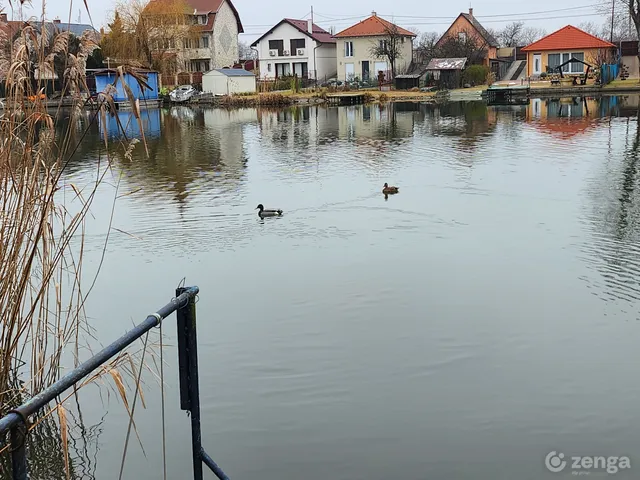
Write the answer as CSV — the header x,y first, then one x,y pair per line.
x,y
106,77
150,118
608,73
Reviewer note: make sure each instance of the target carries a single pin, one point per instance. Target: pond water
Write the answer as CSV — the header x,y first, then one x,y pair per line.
x,y
464,328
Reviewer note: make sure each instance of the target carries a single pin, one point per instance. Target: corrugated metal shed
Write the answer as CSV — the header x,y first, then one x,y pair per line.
x,y
447,64
234,72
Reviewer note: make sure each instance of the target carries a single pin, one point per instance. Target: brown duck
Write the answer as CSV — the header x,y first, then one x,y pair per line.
x,y
387,190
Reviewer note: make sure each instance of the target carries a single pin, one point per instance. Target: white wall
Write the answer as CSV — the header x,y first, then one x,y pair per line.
x,y
325,54
362,52
220,84
326,61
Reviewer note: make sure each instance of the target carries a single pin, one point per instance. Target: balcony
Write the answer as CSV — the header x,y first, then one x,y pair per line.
x,y
197,53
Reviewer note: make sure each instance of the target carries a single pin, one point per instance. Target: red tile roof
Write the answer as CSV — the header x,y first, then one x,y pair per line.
x,y
319,34
568,38
372,26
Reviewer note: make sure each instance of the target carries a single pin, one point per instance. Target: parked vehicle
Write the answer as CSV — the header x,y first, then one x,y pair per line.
x,y
182,93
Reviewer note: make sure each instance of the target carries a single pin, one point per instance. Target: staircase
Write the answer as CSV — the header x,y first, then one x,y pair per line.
x,y
519,69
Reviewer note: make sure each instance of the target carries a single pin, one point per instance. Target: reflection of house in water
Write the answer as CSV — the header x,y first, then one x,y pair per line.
x,y
126,120
565,117
226,128
364,123
466,120
299,126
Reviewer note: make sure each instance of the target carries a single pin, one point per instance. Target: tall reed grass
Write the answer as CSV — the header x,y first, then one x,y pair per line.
x,y
43,216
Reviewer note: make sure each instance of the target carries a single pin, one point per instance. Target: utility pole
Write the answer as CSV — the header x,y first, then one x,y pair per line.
x,y
613,9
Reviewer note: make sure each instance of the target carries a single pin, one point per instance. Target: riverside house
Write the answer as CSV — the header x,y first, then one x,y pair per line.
x,y
297,47
564,44
466,27
355,45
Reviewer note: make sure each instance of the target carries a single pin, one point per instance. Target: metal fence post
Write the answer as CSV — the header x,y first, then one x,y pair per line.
x,y
18,452
188,367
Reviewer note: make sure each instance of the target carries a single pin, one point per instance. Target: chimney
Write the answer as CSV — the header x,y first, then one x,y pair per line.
x,y
3,17
374,14
310,25
471,11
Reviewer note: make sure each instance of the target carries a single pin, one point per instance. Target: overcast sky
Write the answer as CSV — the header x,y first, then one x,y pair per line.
x,y
258,16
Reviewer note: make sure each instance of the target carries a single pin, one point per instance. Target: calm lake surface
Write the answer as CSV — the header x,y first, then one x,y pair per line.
x,y
463,329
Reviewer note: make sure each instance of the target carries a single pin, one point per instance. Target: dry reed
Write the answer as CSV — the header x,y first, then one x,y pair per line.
x,y
42,221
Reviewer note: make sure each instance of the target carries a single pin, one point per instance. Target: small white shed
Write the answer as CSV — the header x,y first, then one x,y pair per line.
x,y
225,81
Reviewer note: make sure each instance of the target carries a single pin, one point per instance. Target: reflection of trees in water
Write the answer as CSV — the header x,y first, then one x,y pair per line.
x,y
45,456
467,122
616,242
190,150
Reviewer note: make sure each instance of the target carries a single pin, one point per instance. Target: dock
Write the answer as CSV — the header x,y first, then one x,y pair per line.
x,y
345,99
507,95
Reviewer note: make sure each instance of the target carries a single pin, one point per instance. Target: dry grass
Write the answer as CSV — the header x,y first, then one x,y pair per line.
x,y
42,225
263,99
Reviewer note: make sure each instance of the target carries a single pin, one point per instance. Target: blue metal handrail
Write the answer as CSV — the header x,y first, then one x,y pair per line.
x,y
184,304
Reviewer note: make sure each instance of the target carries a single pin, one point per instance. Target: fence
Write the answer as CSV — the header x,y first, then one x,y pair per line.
x,y
184,305
608,73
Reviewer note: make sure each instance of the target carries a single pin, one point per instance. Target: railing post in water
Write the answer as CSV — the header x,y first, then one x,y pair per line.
x,y
188,367
18,452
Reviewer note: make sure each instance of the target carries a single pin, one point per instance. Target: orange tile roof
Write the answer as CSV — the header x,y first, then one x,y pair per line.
x,y
372,26
568,38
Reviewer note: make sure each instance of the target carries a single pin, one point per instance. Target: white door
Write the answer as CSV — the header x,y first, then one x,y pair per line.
x,y
537,63
349,71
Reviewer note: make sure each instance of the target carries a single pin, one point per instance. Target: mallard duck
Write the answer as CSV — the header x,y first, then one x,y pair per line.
x,y
387,190
267,213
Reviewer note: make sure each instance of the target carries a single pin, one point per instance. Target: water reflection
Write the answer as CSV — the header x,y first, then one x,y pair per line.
x,y
615,246
512,222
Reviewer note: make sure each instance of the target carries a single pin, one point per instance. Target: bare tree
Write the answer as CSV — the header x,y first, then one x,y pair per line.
x,y
389,47
510,34
465,44
530,35
515,34
426,47
245,52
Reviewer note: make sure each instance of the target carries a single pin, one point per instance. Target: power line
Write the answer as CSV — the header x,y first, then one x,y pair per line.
x,y
448,20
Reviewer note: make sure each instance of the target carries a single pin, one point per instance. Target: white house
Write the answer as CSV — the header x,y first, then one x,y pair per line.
x,y
225,81
296,47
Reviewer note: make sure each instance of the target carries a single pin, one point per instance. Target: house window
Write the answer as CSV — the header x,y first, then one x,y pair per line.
x,y
202,19
383,45
205,42
554,60
277,45
296,43
348,49
462,36
268,67
577,67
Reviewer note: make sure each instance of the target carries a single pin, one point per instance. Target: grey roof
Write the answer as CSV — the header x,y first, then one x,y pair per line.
x,y
490,39
447,63
409,75
234,72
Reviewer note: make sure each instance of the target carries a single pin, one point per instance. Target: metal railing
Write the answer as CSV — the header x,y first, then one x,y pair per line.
x,y
184,304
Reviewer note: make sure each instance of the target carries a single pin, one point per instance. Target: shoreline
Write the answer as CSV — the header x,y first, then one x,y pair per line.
x,y
288,99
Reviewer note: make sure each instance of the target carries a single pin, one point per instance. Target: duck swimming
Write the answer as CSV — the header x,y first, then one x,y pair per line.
x,y
267,213
387,190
